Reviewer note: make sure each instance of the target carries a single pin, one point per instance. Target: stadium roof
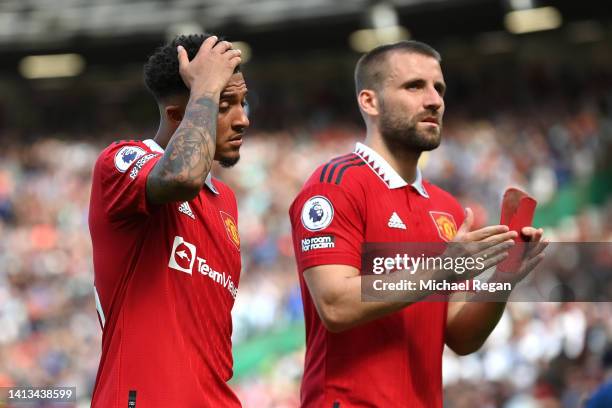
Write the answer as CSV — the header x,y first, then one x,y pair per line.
x,y
107,31
57,21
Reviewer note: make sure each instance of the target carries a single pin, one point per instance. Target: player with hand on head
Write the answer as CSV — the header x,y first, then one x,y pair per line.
x,y
166,249
387,353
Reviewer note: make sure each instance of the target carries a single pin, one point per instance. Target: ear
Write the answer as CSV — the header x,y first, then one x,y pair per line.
x,y
174,113
368,102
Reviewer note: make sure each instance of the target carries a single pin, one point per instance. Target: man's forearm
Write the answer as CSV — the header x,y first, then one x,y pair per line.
x,y
360,301
188,158
469,324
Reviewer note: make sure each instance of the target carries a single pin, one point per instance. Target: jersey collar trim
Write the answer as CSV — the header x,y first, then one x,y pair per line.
x,y
386,172
152,144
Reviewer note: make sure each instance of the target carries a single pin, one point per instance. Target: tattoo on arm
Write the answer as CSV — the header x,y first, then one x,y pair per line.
x,y
190,152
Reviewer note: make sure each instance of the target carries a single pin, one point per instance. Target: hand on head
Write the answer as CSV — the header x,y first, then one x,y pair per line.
x,y
211,68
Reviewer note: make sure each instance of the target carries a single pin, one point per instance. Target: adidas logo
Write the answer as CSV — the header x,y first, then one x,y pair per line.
x,y
396,222
185,209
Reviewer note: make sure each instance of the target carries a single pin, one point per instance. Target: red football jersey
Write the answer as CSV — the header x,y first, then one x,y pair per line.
x,y
165,282
394,361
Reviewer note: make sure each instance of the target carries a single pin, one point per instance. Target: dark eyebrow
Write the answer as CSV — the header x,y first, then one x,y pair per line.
x,y
414,82
439,86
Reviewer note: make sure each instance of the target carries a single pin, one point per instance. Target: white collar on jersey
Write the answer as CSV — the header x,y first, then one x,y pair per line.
x,y
152,144
387,173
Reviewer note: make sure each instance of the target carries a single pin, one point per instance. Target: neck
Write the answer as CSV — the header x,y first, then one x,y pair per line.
x,y
403,161
163,135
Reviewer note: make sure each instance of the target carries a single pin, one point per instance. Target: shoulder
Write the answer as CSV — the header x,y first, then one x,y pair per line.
x,y
122,153
339,171
341,175
337,182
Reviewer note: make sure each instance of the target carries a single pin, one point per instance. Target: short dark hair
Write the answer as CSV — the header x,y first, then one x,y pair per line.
x,y
161,71
370,70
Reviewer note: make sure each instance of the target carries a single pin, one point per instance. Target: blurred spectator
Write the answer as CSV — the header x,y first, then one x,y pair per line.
x,y
602,398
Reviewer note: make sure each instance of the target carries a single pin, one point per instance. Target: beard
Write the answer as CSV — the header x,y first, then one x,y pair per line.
x,y
228,162
400,132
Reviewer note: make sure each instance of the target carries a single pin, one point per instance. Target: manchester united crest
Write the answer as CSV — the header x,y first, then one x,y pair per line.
x,y
445,223
231,229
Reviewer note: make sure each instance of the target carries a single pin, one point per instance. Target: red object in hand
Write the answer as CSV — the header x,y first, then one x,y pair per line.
x,y
516,212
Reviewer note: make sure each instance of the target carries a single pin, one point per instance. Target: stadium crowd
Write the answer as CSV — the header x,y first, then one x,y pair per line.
x,y
541,353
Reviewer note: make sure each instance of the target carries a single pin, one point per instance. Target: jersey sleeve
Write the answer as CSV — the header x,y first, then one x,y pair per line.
x,y
123,171
327,227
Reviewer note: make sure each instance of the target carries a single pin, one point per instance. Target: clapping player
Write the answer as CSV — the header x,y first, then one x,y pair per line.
x,y
388,353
